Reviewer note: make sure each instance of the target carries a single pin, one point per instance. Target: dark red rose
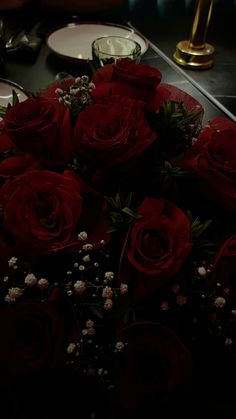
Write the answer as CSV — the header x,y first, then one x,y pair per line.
x,y
43,211
150,368
112,131
35,334
158,245
42,128
212,161
126,78
5,142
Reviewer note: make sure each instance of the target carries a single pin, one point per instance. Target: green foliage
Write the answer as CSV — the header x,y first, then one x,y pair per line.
x,y
2,111
197,227
176,126
120,212
15,100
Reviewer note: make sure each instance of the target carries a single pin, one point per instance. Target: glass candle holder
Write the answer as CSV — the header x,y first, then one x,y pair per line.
x,y
108,49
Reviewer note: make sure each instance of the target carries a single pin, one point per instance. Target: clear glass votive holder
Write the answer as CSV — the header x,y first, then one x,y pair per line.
x,y
108,49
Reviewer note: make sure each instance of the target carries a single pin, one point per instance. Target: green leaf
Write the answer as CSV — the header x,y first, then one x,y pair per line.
x,y
198,227
130,213
15,98
97,310
3,110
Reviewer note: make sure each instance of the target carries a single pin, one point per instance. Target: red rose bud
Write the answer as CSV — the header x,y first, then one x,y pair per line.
x,y
126,78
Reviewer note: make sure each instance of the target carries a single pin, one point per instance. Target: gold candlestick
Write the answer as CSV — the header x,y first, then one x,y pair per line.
x,y
196,53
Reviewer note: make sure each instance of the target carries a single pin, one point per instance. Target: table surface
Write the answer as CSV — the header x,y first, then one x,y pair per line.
x,y
38,74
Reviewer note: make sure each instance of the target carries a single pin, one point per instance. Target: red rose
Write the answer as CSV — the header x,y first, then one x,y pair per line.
x,y
212,160
44,211
158,245
126,78
41,128
150,368
35,334
112,131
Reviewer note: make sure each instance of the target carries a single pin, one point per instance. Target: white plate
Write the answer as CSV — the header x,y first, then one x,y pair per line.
x,y
74,40
6,87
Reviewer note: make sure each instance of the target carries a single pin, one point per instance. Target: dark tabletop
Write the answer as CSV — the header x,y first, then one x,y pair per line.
x,y
218,81
210,87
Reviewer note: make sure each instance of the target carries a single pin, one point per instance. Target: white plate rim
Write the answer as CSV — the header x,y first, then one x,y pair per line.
x,y
15,86
77,24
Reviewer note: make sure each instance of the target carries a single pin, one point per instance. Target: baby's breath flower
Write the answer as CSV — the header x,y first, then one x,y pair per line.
x,y
119,346
228,341
79,287
85,78
59,91
30,280
86,258
70,348
220,302
13,294
82,236
89,323
87,247
109,276
9,299
202,271
108,304
12,262
74,90
107,292
89,332
123,288
43,283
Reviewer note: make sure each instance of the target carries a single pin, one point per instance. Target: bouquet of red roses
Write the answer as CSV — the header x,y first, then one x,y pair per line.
x,y
117,246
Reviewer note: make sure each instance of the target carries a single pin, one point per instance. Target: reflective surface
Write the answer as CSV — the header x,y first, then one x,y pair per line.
x,y
218,81
109,49
6,88
75,40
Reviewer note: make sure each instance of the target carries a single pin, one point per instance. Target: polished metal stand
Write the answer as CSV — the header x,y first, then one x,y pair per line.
x,y
196,53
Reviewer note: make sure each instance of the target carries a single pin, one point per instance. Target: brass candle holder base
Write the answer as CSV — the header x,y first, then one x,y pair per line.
x,y
195,58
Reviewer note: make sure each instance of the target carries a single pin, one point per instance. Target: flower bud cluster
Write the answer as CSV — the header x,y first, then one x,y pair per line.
x,y
77,96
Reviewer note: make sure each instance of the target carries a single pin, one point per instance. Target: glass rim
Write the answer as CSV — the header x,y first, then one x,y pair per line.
x,y
137,49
